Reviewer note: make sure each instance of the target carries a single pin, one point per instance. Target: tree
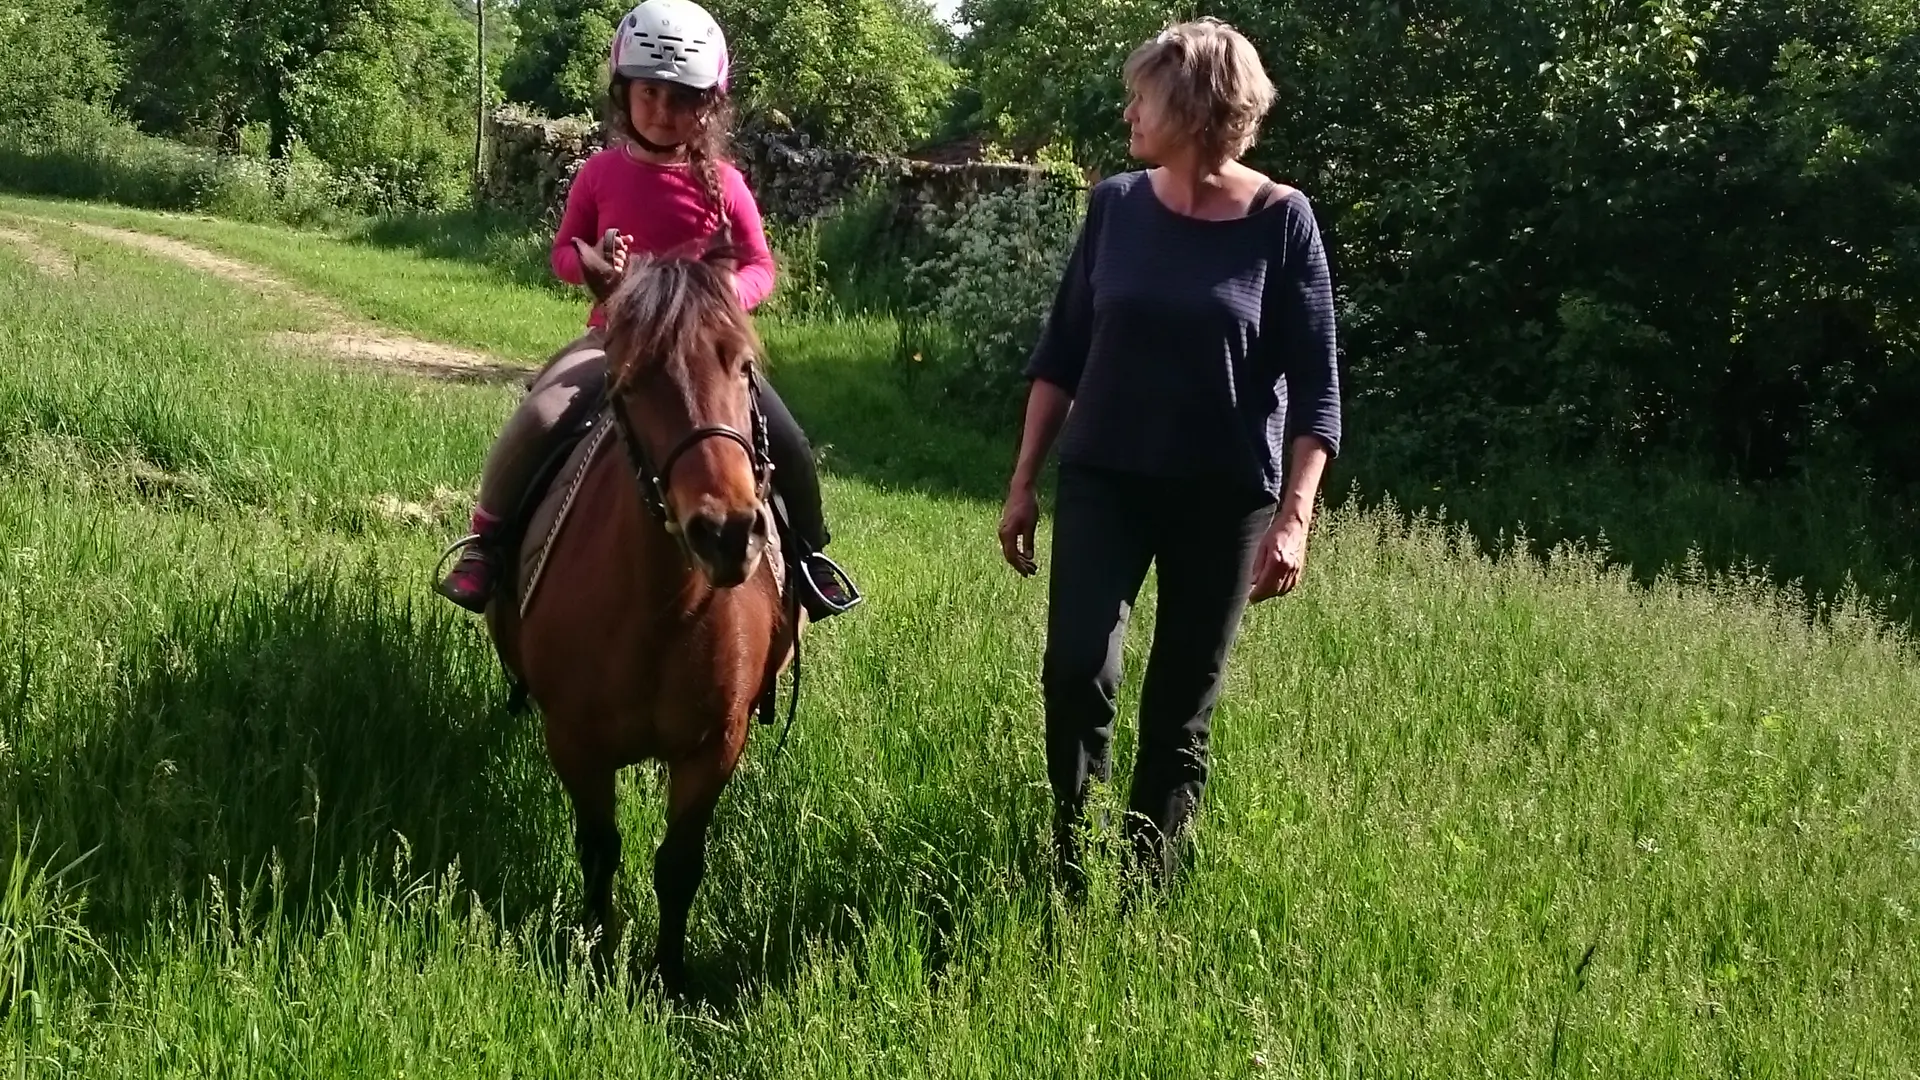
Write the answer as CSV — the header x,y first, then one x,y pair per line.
x,y
54,56
1049,70
866,72
390,107
856,72
560,64
213,65
381,90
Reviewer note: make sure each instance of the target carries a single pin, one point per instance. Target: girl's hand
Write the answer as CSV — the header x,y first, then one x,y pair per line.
x,y
620,253
614,247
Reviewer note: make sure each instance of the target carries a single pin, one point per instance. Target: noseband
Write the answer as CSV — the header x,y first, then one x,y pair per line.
x,y
653,482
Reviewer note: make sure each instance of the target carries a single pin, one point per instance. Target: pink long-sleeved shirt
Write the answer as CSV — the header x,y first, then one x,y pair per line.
x,y
661,207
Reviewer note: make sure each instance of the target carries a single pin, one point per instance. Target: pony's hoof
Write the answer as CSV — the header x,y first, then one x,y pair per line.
x,y
675,986
671,976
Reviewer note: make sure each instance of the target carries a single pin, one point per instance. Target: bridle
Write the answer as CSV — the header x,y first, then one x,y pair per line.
x,y
654,481
653,495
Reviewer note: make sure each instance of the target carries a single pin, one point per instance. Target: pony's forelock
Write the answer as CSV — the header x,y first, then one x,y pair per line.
x,y
668,308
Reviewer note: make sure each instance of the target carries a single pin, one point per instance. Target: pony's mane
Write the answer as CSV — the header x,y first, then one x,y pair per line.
x,y
669,307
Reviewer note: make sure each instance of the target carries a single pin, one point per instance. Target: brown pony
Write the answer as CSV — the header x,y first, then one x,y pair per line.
x,y
658,624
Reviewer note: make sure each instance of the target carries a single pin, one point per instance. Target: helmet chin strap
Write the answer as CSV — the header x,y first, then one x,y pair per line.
x,y
652,147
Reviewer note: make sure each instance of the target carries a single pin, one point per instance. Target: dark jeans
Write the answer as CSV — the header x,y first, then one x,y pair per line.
x,y
794,475
1108,528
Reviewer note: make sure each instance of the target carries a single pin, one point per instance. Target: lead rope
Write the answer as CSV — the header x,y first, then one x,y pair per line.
x,y
793,702
793,588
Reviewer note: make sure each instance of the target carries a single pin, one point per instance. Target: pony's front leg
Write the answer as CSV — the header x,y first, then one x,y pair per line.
x,y
596,837
693,792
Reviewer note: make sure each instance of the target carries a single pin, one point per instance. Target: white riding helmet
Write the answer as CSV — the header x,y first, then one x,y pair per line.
x,y
672,40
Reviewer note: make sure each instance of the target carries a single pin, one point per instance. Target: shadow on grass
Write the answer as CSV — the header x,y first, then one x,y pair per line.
x,y
867,422
1818,536
514,248
309,724
918,875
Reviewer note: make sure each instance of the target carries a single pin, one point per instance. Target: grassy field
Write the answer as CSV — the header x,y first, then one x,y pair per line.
x,y
1472,816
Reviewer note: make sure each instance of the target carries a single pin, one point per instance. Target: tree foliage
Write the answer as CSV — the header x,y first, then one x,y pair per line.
x,y
392,112
381,90
861,72
1573,226
560,66
1049,70
866,72
54,56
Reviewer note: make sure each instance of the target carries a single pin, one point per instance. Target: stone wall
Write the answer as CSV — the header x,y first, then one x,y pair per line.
x,y
531,160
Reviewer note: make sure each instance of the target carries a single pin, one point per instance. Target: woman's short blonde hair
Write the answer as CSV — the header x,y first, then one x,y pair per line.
x,y
1209,79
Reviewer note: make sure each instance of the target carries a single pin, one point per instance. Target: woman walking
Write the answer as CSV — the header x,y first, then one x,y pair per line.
x,y
1188,354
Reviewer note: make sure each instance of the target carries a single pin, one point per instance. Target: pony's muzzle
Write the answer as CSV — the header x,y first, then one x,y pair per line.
x,y
726,546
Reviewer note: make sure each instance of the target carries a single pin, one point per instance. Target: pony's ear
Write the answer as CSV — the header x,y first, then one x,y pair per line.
x,y
688,250
601,280
723,257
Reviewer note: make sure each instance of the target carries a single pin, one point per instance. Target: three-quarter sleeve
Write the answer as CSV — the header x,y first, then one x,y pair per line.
x,y
1311,363
1061,353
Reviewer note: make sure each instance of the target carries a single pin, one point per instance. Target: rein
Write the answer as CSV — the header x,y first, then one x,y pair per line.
x,y
653,482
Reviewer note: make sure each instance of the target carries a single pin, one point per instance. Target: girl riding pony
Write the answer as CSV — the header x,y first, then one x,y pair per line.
x,y
662,185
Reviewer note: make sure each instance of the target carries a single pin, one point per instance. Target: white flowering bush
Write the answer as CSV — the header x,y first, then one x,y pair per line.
x,y
984,292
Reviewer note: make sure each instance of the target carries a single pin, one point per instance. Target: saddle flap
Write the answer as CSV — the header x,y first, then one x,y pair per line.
x,y
550,513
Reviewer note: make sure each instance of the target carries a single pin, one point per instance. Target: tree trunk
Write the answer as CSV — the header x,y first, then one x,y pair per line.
x,y
279,141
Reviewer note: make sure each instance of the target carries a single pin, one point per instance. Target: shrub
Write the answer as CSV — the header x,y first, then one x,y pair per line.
x,y
90,155
800,283
864,254
390,110
54,58
987,288
852,259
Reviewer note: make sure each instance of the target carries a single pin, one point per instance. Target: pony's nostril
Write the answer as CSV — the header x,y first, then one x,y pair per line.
x,y
724,544
736,536
703,533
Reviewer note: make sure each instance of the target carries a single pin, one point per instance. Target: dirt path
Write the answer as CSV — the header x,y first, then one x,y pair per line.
x,y
49,261
200,259
342,336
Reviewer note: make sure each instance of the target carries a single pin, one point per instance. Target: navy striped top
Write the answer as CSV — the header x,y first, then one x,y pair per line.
x,y
1192,348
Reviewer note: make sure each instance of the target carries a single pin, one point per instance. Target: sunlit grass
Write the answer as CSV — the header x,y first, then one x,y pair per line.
x,y
1471,815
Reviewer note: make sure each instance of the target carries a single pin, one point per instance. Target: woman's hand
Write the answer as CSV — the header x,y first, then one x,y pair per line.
x,y
1281,560
1019,519
1047,406
1282,557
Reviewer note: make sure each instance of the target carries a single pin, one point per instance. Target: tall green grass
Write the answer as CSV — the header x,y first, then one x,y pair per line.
x,y
1487,814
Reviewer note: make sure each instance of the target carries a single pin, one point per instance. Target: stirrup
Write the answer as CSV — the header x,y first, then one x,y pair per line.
x,y
461,544
818,600
477,604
